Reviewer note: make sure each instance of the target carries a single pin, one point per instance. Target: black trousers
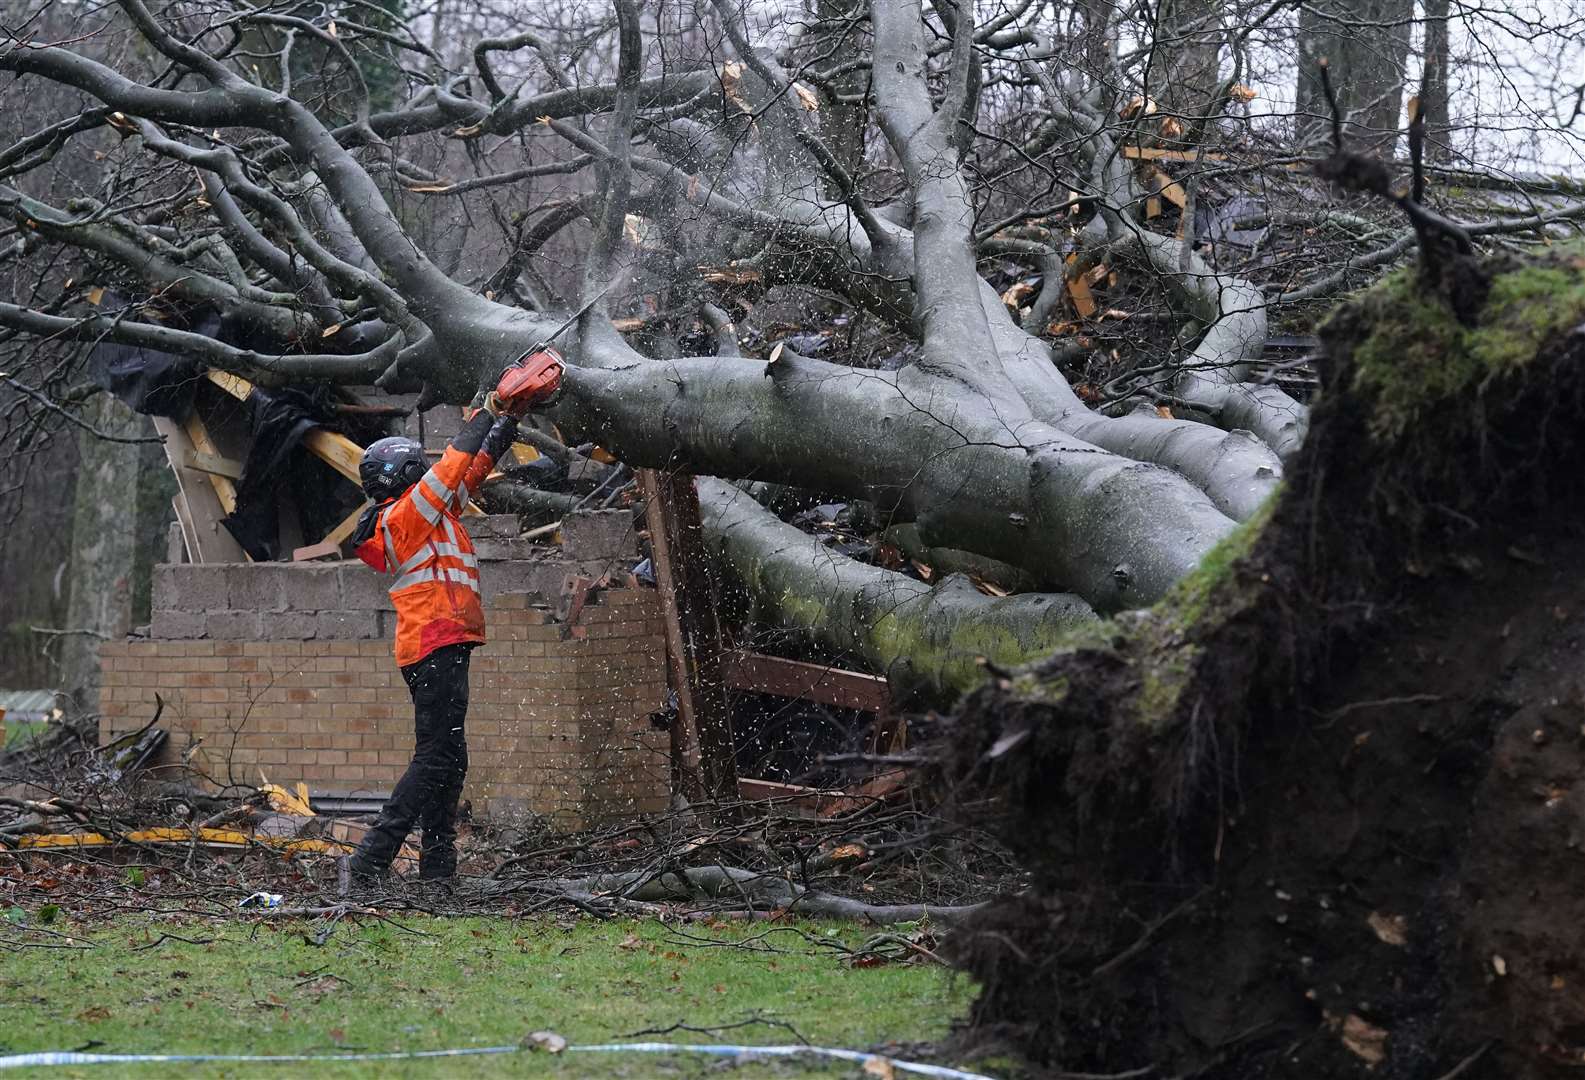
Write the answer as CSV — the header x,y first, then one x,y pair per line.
x,y
427,793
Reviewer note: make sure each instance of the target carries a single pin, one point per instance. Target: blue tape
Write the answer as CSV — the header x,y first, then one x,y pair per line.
x,y
67,1057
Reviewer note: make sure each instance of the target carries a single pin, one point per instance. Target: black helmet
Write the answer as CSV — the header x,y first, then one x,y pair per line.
x,y
391,466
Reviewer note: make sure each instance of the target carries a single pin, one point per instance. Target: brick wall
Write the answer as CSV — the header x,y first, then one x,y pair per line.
x,y
287,669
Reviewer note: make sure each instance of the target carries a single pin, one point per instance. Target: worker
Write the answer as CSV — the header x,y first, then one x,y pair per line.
x,y
414,532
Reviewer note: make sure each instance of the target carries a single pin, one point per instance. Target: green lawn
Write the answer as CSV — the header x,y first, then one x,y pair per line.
x,y
262,988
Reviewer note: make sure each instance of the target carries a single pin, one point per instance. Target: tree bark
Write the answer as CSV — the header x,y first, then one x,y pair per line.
x,y
1434,93
935,639
104,546
1366,44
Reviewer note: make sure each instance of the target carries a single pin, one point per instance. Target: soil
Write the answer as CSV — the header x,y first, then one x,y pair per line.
x,y
1316,815
1405,862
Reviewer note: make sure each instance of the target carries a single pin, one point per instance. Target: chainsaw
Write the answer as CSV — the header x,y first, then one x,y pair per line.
x,y
536,375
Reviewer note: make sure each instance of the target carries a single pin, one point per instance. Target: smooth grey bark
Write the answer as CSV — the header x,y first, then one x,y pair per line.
x,y
1115,531
982,445
1187,58
104,545
918,635
1215,375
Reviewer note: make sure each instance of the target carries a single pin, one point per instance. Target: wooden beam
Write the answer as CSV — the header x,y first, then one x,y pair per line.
x,y
225,490
703,747
198,507
761,674
213,464
1161,153
348,523
1168,187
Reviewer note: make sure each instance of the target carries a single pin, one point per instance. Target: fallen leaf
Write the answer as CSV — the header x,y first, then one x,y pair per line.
x,y
1365,1040
1164,412
879,1067
94,1014
1017,293
1242,93
630,942
849,851
1391,929
1171,128
544,1040
1135,104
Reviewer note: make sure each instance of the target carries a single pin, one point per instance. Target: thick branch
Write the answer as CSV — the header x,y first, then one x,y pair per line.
x,y
917,635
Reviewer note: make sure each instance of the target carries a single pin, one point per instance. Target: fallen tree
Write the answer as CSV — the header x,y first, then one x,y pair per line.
x,y
1310,814
981,444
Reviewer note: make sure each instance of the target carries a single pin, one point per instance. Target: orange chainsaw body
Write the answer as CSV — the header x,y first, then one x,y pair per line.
x,y
533,380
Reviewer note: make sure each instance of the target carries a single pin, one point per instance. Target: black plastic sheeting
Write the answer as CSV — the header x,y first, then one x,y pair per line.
x,y
279,419
164,384
148,381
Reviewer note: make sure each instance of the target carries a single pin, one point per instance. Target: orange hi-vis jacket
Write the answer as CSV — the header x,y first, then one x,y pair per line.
x,y
419,539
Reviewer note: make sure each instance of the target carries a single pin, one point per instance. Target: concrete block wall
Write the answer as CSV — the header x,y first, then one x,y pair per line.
x,y
558,725
287,669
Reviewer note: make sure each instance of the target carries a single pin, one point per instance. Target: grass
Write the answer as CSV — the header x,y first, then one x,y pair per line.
x,y
261,987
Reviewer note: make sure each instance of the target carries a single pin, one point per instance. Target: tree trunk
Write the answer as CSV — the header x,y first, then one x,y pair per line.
x,y
104,545
1366,45
1434,89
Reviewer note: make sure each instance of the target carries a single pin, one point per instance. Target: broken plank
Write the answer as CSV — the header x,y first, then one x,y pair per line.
x,y
703,742
225,490
212,464
221,838
1169,188
199,510
761,674
348,523
1161,153
1083,300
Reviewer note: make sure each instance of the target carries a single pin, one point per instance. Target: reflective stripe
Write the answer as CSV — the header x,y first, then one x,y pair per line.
x,y
407,581
451,498
426,509
468,579
454,548
390,545
455,552
430,573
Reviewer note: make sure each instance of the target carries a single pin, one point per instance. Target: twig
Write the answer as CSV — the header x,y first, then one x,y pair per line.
x,y
1145,939
718,1028
1378,703
1468,1063
163,938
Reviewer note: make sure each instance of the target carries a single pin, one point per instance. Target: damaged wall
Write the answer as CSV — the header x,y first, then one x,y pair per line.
x,y
287,668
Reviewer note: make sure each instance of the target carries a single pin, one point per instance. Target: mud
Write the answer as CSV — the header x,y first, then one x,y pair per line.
x,y
1315,816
